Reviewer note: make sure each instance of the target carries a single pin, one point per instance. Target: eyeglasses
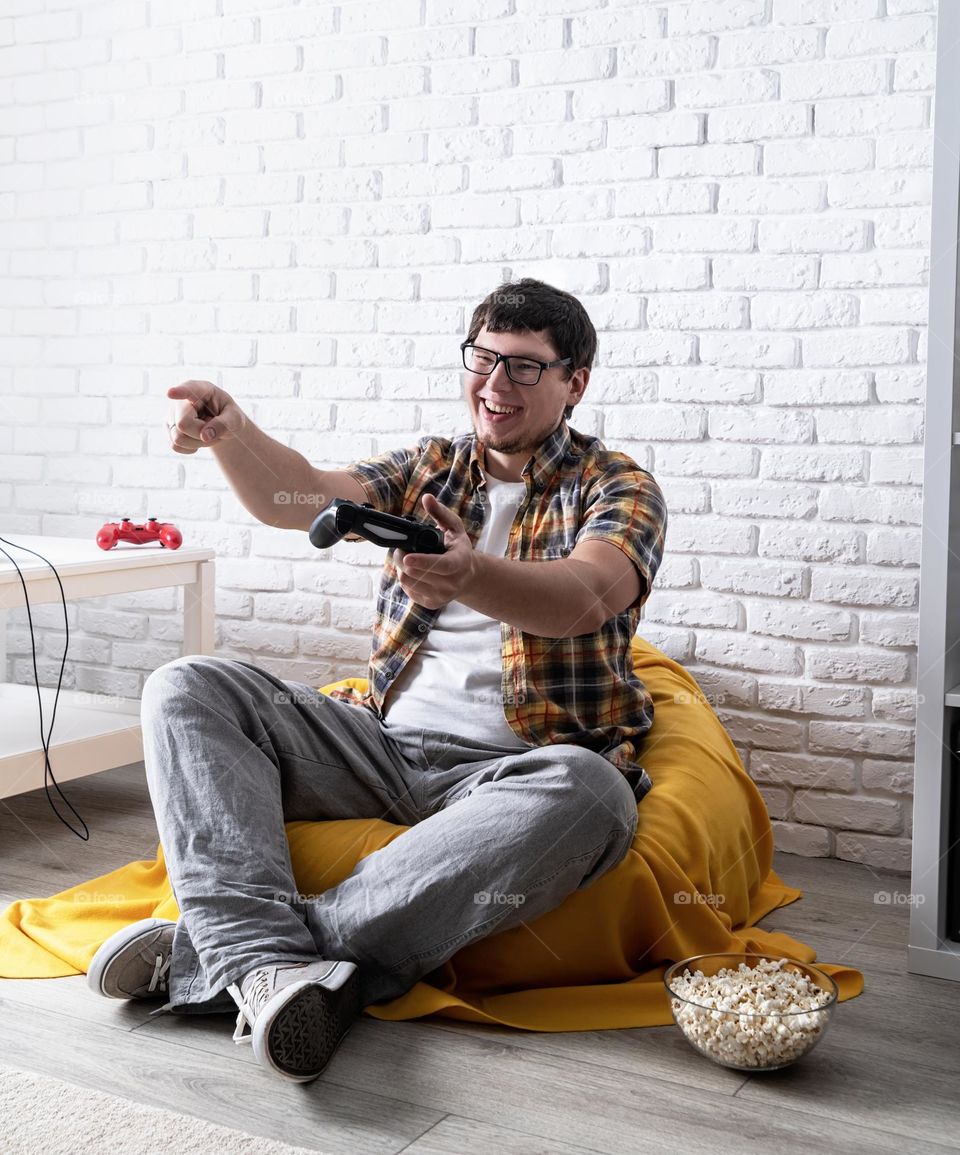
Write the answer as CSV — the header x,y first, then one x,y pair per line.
x,y
520,370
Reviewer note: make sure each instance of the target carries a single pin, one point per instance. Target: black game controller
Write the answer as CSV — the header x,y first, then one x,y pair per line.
x,y
344,517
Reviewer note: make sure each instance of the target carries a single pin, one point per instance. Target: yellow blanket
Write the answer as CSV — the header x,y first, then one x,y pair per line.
x,y
594,962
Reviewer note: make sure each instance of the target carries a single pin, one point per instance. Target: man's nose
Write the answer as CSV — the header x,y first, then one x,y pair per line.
x,y
499,379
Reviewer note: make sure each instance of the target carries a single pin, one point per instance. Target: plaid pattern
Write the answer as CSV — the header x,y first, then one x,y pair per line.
x,y
579,690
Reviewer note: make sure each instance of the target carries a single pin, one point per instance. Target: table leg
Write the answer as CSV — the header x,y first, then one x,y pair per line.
x,y
198,611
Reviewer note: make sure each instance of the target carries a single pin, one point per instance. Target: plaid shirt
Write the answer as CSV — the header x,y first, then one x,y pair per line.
x,y
579,690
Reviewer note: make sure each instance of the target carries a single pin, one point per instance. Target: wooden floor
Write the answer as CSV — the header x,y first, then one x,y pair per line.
x,y
886,1077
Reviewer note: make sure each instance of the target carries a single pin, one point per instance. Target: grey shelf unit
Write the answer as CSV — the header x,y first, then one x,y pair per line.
x,y
935,854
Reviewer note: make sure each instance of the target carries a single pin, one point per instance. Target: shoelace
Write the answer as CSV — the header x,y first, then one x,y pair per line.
x,y
258,993
160,980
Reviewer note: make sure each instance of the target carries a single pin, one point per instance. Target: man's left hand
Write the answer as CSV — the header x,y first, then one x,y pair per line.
x,y
433,579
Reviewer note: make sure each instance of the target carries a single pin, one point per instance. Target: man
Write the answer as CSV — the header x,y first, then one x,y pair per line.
x,y
502,720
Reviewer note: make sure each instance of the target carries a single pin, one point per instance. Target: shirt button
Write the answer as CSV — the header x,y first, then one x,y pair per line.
x,y
422,628
474,524
539,487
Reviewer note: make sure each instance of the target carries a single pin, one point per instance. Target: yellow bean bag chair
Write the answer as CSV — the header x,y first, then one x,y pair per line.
x,y
594,962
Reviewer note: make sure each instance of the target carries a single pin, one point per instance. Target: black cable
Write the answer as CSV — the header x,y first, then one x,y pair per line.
x,y
36,678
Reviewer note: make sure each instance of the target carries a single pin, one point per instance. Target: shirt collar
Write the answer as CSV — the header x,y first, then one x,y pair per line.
x,y
541,466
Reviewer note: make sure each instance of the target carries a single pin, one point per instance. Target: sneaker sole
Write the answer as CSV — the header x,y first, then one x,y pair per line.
x,y
299,1038
113,946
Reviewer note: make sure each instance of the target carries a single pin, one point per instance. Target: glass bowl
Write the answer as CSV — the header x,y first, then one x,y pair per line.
x,y
753,1040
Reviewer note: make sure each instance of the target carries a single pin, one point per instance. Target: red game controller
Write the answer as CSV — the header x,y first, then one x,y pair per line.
x,y
164,532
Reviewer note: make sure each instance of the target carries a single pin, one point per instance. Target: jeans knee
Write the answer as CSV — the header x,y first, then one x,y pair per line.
x,y
597,789
178,676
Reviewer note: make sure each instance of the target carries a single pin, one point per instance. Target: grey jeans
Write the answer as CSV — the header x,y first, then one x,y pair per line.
x,y
497,837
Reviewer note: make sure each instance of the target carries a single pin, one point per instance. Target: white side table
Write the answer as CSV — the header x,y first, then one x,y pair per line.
x,y
91,732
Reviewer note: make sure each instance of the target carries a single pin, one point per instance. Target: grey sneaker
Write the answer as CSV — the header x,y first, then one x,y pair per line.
x,y
134,963
298,1014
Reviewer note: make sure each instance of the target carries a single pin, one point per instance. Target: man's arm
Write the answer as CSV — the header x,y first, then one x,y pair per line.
x,y
273,482
555,599
552,599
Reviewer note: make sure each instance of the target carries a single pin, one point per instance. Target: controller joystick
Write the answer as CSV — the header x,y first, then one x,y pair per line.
x,y
341,518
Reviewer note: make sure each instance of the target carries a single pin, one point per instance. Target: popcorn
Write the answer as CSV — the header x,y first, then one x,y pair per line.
x,y
737,1017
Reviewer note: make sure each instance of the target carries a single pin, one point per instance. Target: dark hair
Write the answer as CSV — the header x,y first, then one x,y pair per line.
x,y
527,304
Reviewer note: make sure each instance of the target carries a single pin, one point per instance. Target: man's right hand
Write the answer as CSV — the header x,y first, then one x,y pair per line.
x,y
203,415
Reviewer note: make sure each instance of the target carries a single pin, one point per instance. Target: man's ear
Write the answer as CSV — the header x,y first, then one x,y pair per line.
x,y
577,385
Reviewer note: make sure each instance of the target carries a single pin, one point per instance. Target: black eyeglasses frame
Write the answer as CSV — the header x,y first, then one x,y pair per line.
x,y
506,359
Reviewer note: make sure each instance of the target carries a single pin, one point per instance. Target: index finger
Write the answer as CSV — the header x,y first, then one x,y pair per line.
x,y
190,397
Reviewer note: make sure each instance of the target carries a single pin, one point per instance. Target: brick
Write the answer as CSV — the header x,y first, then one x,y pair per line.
x,y
878,815
805,622
659,423
871,503
803,770
709,160
798,157
766,733
794,698
613,99
566,66
700,460
881,425
808,841
838,664
896,307
692,609
685,497
759,46
875,850
706,16
698,534
897,547
755,423
816,463
746,350
668,58
895,705
759,194
863,588
658,274
697,311
879,774
815,234
751,577
725,687
662,198
756,123
873,269
766,272
695,383
877,37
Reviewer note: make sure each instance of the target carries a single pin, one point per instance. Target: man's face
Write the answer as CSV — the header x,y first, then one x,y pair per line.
x,y
537,408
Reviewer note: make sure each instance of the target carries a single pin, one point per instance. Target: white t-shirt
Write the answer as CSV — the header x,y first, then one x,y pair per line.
x,y
453,682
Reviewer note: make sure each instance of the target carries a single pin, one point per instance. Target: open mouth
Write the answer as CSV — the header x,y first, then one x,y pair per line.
x,y
500,413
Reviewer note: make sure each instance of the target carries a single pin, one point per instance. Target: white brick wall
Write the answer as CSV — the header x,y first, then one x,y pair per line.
x,y
304,202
